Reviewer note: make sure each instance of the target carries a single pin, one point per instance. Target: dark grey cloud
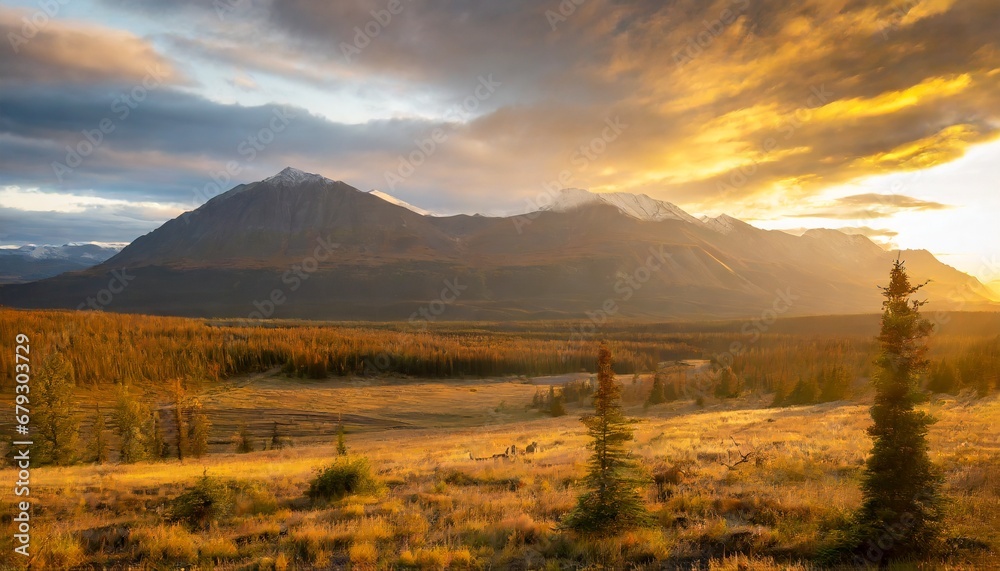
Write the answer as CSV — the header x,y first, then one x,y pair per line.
x,y
98,225
174,141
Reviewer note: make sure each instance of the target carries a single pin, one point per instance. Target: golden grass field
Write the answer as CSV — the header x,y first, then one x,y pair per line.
x,y
441,510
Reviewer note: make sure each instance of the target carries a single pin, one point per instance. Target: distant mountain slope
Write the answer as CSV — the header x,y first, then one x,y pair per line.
x,y
398,202
30,263
637,205
299,245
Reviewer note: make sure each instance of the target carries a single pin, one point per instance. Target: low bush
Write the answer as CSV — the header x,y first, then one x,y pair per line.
x,y
343,478
207,501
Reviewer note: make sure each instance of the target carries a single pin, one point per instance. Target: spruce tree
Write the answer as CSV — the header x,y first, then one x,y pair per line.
x,y
180,420
557,407
55,421
199,430
243,440
728,385
158,447
612,502
658,394
132,424
833,384
670,393
341,445
277,440
805,392
99,450
900,485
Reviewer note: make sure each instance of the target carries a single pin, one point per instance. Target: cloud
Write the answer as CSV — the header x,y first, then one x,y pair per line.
x,y
103,224
869,206
194,140
727,101
893,201
73,52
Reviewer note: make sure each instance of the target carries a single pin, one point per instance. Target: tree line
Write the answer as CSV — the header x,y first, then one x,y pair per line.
x,y
138,427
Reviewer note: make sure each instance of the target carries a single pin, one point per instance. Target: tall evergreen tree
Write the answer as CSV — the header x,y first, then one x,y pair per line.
x,y
900,485
278,441
55,421
727,385
180,419
199,430
612,502
132,418
670,392
243,440
158,447
558,406
99,449
658,394
834,384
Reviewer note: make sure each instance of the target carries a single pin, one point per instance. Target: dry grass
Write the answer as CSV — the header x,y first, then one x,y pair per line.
x,y
442,510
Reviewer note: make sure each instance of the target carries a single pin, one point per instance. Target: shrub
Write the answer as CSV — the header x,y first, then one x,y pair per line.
x,y
343,478
201,504
251,498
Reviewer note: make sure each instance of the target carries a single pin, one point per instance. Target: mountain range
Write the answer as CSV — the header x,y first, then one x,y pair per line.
x,y
298,245
35,262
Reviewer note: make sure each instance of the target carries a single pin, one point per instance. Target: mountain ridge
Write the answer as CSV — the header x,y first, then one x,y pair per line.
x,y
369,258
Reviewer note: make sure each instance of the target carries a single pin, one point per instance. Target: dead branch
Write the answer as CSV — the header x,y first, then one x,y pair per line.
x,y
740,456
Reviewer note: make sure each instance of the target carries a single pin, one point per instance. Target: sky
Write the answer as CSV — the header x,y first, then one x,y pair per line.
x,y
876,117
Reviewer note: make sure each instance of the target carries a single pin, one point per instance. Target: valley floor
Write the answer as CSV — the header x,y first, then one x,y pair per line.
x,y
441,509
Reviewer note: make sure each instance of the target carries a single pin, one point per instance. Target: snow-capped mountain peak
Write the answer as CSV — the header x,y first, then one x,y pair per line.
x,y
723,224
398,202
292,176
638,206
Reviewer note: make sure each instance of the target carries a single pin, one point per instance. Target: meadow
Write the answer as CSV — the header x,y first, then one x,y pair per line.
x,y
735,482
440,509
